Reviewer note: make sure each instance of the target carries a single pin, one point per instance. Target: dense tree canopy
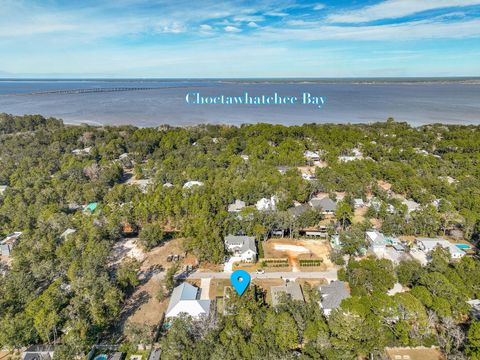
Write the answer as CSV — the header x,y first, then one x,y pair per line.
x,y
63,288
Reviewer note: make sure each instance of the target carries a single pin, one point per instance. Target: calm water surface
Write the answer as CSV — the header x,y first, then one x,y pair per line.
x,y
155,102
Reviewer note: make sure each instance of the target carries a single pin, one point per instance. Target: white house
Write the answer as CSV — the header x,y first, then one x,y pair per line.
x,y
236,206
358,203
411,205
82,151
185,299
308,177
376,242
241,246
265,204
428,244
311,155
190,184
356,155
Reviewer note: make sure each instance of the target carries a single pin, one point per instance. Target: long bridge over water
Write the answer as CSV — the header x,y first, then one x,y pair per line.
x,y
88,91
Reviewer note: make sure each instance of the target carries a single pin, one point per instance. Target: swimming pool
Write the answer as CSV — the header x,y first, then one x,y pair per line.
x,y
463,246
101,357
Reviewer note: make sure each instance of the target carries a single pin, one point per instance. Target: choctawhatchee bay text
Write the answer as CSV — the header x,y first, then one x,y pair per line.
x,y
306,98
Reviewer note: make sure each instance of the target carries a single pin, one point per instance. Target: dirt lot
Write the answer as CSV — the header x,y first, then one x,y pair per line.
x,y
5,355
124,248
310,170
217,287
266,284
414,353
384,185
295,249
359,215
143,306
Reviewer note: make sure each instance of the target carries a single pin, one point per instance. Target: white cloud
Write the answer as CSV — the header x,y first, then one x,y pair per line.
x,y
319,6
300,23
252,24
232,29
173,28
417,30
392,9
255,18
276,13
206,27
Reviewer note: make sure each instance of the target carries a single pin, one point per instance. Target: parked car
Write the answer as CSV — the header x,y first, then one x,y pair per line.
x,y
260,271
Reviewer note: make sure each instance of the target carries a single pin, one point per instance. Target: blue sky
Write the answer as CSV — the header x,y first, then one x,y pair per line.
x,y
233,38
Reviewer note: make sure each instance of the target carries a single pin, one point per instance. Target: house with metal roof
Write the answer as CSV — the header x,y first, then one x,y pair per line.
x,y
185,299
291,289
38,352
241,246
67,232
90,208
7,244
265,204
428,244
311,155
376,242
332,296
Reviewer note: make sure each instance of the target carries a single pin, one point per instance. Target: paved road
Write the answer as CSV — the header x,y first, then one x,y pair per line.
x,y
329,275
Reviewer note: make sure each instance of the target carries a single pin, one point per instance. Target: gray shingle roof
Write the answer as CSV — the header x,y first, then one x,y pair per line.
x,y
292,289
326,204
299,210
246,242
333,294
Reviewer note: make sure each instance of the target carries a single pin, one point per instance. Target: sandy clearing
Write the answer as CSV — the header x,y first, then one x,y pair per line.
x,y
293,248
126,248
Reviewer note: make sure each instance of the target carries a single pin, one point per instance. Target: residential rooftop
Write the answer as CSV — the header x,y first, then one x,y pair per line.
x,y
291,289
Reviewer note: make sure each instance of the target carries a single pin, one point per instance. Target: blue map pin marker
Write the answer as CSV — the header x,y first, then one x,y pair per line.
x,y
240,280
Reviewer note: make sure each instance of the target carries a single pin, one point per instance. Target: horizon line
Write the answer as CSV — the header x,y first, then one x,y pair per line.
x,y
463,77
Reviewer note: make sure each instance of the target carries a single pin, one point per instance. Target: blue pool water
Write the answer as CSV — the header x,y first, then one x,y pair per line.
x,y
101,357
463,246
